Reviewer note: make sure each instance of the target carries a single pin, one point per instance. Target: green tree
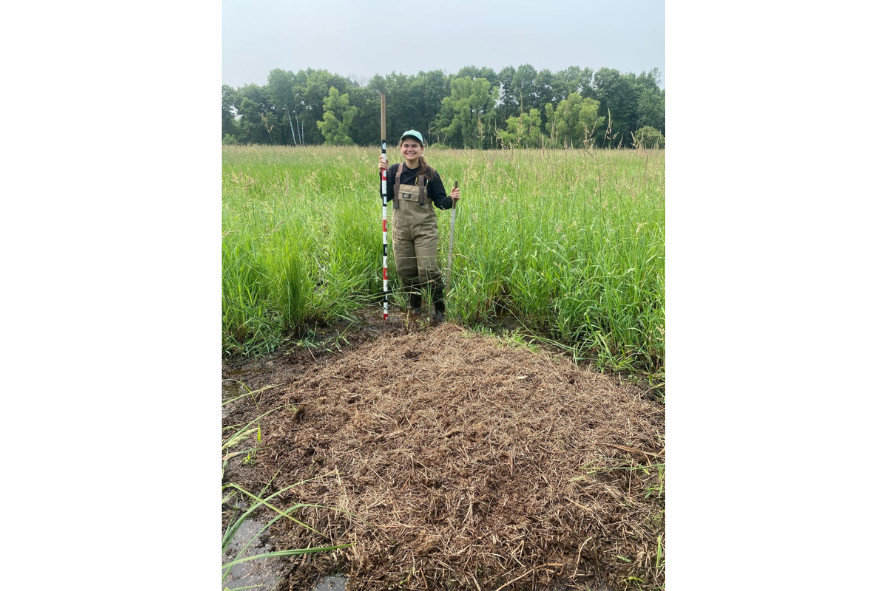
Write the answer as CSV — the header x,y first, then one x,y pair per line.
x,y
337,117
523,131
651,101
413,102
255,116
523,87
281,84
572,79
648,137
617,94
400,106
469,110
543,91
280,87
508,105
364,127
429,90
474,72
310,90
573,121
229,112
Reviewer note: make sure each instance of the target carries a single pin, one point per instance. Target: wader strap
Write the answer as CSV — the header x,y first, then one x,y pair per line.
x,y
397,187
422,183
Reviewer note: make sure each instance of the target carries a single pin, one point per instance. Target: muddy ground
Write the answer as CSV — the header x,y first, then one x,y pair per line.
x,y
449,460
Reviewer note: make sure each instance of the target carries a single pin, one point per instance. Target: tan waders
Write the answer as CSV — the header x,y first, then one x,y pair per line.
x,y
415,243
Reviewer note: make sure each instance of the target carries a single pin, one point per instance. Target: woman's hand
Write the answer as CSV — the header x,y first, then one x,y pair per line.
x,y
455,194
382,165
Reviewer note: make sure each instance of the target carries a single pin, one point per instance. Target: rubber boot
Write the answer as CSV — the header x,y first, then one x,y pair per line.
x,y
415,303
439,306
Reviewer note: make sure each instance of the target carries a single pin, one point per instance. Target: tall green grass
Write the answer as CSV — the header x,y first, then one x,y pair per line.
x,y
299,241
568,243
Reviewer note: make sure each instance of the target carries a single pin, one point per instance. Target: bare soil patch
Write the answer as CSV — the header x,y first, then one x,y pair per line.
x,y
451,461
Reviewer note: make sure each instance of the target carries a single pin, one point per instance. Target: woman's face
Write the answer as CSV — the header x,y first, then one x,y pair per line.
x,y
411,149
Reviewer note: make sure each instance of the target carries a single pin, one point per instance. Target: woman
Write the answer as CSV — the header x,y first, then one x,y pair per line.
x,y
412,186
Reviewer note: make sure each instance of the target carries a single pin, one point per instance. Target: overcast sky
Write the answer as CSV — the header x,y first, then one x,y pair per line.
x,y
359,38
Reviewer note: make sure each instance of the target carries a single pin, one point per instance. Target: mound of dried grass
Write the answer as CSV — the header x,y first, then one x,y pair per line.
x,y
457,463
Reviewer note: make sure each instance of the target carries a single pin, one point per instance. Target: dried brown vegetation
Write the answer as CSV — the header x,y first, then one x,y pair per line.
x,y
450,461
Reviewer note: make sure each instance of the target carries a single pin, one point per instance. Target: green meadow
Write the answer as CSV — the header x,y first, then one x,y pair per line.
x,y
564,247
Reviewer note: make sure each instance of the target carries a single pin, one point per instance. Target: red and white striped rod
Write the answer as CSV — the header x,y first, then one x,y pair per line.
x,y
384,211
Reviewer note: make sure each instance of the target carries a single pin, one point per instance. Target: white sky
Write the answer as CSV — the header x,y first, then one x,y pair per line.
x,y
359,38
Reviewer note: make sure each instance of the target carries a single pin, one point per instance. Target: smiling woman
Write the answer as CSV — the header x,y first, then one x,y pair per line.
x,y
413,184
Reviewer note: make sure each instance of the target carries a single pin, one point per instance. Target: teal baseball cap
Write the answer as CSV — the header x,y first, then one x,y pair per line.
x,y
413,134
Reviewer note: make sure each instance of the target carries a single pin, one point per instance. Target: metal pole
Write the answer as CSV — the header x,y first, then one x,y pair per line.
x,y
384,211
451,239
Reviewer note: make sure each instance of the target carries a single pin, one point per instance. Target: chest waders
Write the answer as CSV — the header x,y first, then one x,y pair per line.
x,y
415,243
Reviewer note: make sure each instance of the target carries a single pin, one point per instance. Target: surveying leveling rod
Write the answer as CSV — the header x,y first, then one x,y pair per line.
x,y
384,211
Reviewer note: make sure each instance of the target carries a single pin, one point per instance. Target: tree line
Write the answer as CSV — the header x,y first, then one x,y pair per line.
x,y
474,108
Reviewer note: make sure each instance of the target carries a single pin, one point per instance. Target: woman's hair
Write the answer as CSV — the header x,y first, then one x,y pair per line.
x,y
423,166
